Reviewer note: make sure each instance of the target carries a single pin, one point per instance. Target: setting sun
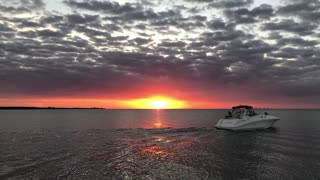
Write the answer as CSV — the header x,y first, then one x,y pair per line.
x,y
157,102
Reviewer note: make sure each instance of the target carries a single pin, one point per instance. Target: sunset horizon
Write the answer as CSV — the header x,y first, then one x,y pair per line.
x,y
139,103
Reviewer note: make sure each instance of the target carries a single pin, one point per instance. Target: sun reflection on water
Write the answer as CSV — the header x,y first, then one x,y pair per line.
x,y
157,150
160,146
158,120
163,147
158,124
166,146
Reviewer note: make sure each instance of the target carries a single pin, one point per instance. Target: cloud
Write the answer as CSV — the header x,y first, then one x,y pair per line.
x,y
10,9
51,19
308,10
244,15
289,25
230,3
21,6
217,24
81,19
110,48
224,35
297,41
49,33
5,28
104,6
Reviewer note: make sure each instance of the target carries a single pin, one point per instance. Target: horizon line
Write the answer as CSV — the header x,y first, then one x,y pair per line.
x,y
103,108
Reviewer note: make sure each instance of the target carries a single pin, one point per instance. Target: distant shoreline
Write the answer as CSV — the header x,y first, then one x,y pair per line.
x,y
26,108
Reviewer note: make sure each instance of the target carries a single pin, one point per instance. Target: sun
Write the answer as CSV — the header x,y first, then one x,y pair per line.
x,y
159,104
156,102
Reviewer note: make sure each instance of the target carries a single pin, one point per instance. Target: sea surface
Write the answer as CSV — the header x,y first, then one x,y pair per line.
x,y
155,144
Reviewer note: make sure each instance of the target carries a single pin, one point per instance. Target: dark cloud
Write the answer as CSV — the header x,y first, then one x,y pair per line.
x,y
32,3
92,32
5,27
294,6
290,25
10,9
224,35
143,15
104,6
243,15
240,16
308,10
21,6
264,11
49,33
81,19
275,35
217,24
204,1
29,24
297,41
199,18
140,41
160,18
51,19
179,44
230,3
132,12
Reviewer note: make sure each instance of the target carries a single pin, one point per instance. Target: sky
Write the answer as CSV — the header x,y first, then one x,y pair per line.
x,y
175,54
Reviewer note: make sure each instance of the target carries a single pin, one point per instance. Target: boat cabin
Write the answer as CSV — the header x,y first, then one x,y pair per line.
x,y
238,112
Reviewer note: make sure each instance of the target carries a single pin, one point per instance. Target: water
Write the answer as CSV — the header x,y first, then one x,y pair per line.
x,y
149,144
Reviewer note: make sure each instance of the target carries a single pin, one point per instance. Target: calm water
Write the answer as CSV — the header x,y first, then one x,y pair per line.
x,y
148,144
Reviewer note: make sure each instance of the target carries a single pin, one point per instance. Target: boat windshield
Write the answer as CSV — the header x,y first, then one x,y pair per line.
x,y
241,111
238,112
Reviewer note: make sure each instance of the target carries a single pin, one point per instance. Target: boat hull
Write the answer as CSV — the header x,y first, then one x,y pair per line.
x,y
258,122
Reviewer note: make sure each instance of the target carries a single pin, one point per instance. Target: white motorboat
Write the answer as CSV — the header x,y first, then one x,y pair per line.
x,y
243,117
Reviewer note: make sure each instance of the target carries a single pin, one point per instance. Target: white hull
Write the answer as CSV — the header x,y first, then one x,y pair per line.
x,y
247,123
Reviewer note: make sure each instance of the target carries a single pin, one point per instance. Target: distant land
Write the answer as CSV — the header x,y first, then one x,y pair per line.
x,y
26,107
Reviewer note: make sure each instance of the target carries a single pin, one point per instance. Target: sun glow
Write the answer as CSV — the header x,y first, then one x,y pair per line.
x,y
157,102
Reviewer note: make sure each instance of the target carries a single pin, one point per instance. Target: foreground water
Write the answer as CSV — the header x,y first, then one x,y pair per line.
x,y
147,144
